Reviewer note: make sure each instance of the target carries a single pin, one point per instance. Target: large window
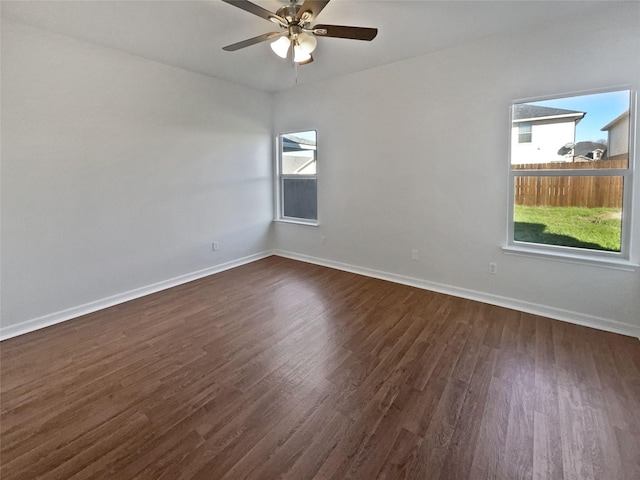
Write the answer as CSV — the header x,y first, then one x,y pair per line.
x,y
297,177
571,174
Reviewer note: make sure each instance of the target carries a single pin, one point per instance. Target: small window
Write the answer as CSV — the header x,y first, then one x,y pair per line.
x,y
297,177
570,190
524,133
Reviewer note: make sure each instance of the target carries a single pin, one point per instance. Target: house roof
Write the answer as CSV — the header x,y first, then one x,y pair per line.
x,y
581,149
292,143
616,120
526,111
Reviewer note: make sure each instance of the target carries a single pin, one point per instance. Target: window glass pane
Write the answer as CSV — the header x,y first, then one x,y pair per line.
x,y
584,131
299,198
576,211
299,153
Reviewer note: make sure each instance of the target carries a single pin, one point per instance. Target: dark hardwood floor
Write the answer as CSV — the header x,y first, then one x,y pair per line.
x,y
280,369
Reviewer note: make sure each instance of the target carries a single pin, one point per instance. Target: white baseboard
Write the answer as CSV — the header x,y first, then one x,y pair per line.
x,y
528,307
578,318
74,312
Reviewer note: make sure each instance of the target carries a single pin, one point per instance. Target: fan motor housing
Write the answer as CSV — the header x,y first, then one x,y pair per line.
x,y
290,14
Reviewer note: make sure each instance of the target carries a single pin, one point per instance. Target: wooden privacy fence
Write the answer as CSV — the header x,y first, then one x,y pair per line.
x,y
570,191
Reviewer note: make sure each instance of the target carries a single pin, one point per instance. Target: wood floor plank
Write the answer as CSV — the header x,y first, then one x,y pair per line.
x,y
373,453
277,452
459,460
341,458
629,445
544,461
321,448
547,456
430,457
401,456
518,458
490,450
576,457
281,369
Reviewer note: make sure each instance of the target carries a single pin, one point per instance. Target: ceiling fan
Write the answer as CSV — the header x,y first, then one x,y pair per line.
x,y
296,33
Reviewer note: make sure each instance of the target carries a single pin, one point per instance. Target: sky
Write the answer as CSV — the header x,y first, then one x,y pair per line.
x,y
310,135
601,108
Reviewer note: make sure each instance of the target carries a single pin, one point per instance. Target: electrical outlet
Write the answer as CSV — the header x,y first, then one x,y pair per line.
x,y
414,255
493,268
215,246
323,240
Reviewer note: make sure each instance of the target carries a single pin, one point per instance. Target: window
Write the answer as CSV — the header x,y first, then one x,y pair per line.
x,y
297,177
524,133
571,175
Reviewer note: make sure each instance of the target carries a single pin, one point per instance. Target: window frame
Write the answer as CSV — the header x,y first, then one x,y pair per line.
x,y
618,260
281,177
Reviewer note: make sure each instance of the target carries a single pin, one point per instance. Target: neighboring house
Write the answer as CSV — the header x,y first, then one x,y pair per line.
x,y
539,131
618,136
589,151
298,155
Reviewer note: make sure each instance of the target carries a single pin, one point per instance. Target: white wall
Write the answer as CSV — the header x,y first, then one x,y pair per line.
x,y
413,155
118,173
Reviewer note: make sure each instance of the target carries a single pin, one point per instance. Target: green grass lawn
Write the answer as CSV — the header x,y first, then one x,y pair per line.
x,y
593,228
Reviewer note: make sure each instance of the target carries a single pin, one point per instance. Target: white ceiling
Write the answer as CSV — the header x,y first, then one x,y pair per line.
x,y
191,34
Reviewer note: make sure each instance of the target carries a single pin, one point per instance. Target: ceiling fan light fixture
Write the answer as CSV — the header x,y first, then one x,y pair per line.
x,y
299,55
281,46
295,20
307,43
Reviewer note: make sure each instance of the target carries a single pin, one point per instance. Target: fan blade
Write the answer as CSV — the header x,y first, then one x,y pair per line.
x,y
339,31
252,41
310,10
257,10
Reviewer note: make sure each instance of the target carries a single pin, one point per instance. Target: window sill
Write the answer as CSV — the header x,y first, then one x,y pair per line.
x,y
567,257
303,223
